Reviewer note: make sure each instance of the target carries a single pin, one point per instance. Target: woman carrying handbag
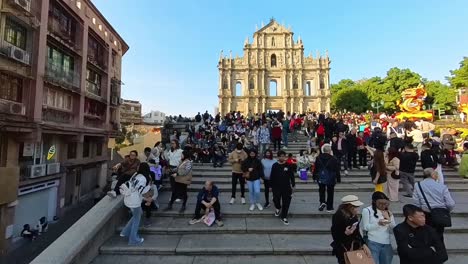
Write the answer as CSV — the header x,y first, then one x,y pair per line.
x,y
348,244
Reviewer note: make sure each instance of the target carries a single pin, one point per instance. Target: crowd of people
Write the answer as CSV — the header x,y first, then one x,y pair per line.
x,y
255,146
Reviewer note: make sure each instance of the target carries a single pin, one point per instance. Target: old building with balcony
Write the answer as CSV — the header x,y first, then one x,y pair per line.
x,y
130,112
60,81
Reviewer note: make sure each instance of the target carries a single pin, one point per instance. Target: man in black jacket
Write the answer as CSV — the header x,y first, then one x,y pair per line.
x,y
351,141
327,171
429,158
408,160
282,184
418,243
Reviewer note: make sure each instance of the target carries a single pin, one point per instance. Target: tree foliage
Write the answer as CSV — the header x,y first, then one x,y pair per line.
x,y
354,100
388,89
459,77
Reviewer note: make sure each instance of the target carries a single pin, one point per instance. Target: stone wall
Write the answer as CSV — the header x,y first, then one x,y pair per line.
x,y
81,242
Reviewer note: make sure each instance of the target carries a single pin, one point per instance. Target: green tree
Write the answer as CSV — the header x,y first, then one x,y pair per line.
x,y
459,78
396,81
441,94
121,137
354,100
343,84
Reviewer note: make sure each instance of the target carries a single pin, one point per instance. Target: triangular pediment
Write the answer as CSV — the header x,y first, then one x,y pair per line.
x,y
272,28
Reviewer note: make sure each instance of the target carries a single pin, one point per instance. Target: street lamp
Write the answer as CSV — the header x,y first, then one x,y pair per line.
x,y
377,105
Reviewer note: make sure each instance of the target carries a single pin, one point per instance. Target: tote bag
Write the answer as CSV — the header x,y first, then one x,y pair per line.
x,y
357,256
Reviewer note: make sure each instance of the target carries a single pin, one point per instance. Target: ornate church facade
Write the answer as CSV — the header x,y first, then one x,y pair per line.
x,y
274,74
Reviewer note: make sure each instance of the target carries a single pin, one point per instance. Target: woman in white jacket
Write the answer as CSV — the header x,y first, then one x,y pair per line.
x,y
133,192
377,223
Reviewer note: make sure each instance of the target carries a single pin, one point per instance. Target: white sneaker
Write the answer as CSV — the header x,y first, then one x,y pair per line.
x,y
112,194
260,207
178,200
232,201
346,172
252,207
285,147
243,200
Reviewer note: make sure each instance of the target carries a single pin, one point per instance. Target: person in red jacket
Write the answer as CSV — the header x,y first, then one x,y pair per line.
x,y
320,131
276,133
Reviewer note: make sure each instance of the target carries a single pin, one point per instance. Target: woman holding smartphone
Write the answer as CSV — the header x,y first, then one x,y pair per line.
x,y
377,224
345,228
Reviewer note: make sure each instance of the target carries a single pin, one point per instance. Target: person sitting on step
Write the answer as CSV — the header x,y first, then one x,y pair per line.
x,y
28,233
207,199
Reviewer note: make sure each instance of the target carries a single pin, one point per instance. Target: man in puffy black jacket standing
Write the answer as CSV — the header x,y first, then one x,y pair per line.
x,y
418,243
282,184
326,173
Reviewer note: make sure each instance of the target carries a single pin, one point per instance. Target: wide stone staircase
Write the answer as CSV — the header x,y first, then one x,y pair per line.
x,y
258,236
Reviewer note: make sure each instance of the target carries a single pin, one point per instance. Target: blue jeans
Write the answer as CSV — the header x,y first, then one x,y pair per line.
x,y
381,253
131,228
285,138
254,191
263,147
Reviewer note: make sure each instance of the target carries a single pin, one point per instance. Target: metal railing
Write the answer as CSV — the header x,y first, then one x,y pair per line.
x,y
52,115
58,74
58,29
93,88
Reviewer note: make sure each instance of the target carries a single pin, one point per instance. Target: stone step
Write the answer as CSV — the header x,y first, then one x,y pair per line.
x,y
210,171
345,179
261,225
244,244
303,204
239,259
341,187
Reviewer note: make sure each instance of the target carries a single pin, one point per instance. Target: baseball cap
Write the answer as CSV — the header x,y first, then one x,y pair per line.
x,y
351,199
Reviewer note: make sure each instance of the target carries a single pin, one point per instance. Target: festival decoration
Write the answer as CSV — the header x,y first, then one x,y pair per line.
x,y
413,102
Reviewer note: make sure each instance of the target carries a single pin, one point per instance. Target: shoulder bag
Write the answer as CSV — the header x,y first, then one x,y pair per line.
x,y
358,256
440,216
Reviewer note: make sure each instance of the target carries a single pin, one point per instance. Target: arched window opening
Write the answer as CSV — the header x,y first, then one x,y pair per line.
x,y
295,85
322,84
307,89
273,60
252,84
238,89
273,88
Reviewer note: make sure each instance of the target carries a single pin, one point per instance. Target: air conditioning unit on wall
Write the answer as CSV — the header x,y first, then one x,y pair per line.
x,y
17,109
53,168
18,54
25,4
37,171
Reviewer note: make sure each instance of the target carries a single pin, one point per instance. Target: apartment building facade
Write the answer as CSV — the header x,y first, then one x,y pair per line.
x,y
60,81
130,112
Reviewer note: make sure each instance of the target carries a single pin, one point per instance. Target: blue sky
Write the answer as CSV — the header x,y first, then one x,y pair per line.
x,y
174,45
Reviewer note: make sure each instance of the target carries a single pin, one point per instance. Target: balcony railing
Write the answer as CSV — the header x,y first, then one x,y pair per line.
x,y
93,88
57,116
58,29
91,122
57,74
97,61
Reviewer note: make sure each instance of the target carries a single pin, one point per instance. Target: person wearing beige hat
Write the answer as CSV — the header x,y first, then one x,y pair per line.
x,y
345,228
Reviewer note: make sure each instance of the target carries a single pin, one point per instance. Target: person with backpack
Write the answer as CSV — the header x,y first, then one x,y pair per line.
x,y
327,170
133,192
282,185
